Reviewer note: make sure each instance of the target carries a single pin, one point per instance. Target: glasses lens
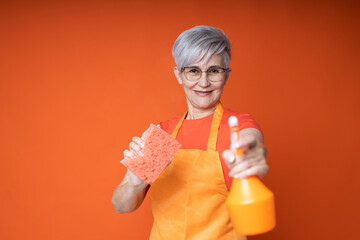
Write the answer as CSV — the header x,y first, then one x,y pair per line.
x,y
216,74
213,74
192,74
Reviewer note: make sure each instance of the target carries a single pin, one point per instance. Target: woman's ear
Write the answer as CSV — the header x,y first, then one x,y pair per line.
x,y
178,75
228,71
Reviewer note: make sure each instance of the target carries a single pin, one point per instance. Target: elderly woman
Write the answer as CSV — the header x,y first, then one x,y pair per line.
x,y
188,198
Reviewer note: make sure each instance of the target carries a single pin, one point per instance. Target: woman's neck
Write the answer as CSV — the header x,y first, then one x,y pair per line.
x,y
196,113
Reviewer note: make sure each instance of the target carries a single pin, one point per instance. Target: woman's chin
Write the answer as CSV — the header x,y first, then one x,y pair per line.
x,y
205,104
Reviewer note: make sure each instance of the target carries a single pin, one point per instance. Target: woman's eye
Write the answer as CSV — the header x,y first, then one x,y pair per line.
x,y
214,70
194,70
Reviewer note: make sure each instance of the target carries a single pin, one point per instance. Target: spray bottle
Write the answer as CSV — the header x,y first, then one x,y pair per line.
x,y
250,203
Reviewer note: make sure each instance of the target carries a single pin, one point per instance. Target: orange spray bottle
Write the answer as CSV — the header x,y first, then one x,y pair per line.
x,y
250,203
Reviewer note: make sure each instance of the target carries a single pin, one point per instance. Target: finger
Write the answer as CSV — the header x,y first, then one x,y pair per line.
x,y
239,158
258,160
135,148
139,141
143,135
240,168
263,149
229,158
128,154
258,170
257,152
247,142
245,164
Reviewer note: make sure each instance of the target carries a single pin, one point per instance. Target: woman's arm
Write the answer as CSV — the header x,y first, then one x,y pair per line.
x,y
130,193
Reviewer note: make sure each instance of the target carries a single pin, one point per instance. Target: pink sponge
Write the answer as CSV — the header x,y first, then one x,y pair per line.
x,y
159,148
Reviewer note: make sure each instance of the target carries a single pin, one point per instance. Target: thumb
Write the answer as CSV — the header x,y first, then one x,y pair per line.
x,y
229,158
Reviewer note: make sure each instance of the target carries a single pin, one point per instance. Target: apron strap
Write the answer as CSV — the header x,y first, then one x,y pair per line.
x,y
215,127
213,130
176,130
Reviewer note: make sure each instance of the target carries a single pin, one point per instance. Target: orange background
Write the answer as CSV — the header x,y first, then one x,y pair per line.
x,y
79,79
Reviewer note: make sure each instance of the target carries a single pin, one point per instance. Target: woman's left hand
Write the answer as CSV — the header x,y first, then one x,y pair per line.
x,y
253,162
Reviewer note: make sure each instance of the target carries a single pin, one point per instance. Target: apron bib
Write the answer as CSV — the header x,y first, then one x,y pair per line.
x,y
188,198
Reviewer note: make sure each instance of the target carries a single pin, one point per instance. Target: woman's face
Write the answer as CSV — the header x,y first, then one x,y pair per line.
x,y
203,94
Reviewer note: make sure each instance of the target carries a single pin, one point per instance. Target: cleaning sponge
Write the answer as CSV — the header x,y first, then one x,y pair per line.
x,y
158,149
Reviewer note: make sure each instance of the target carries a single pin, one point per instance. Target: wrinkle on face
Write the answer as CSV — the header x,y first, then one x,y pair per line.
x,y
201,106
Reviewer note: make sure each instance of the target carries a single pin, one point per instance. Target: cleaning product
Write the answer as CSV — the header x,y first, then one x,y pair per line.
x,y
250,203
158,149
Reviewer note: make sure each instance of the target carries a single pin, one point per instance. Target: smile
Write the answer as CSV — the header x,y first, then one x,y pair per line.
x,y
202,93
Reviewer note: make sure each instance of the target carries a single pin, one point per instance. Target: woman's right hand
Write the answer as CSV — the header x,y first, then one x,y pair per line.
x,y
135,147
130,193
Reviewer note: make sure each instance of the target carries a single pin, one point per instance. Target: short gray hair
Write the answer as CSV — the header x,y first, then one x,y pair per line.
x,y
198,42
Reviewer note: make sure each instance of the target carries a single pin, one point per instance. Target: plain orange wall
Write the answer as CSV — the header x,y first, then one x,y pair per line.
x,y
79,79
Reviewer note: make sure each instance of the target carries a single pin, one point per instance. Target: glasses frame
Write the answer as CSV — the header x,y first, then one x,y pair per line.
x,y
206,71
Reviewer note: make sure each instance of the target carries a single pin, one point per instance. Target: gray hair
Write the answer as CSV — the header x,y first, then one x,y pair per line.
x,y
198,42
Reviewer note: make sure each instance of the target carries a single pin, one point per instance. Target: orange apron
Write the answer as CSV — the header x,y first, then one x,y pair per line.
x,y
188,198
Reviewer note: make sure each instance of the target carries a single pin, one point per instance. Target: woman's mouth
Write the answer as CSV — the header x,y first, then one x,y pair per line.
x,y
202,93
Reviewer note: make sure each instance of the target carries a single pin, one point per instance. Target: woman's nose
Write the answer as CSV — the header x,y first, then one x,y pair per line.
x,y
203,81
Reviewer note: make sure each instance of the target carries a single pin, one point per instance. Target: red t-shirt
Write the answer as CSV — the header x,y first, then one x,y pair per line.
x,y
194,133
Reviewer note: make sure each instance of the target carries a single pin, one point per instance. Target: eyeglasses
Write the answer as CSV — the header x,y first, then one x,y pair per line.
x,y
214,74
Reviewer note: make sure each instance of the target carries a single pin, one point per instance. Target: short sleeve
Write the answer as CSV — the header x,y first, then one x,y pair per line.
x,y
247,121
169,125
